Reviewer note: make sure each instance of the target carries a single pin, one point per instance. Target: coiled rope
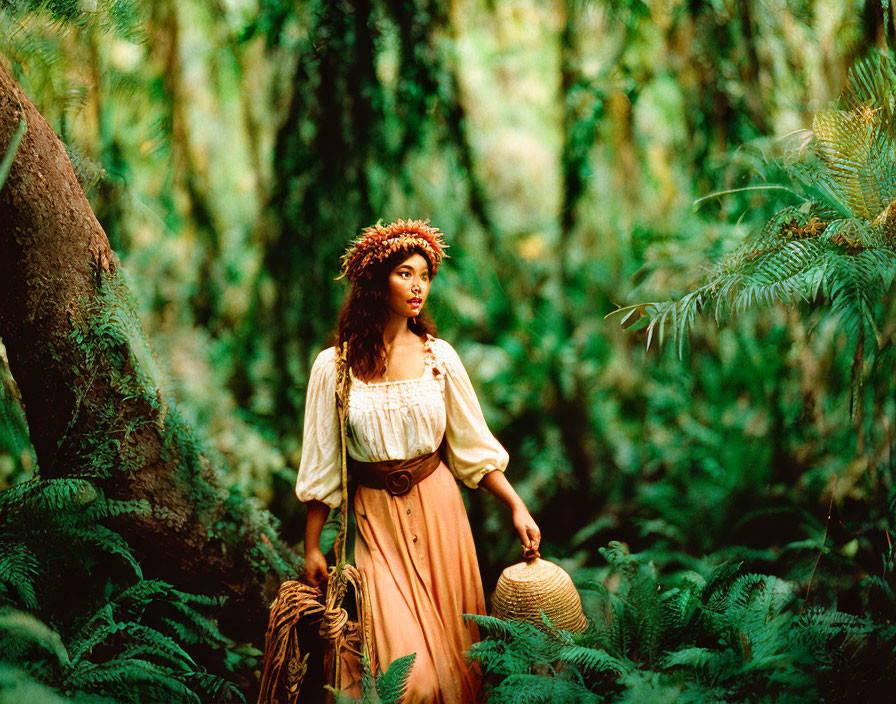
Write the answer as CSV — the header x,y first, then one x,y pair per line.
x,y
284,667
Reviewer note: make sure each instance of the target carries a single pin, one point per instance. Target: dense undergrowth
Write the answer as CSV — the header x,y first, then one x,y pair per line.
x,y
79,620
779,629
714,635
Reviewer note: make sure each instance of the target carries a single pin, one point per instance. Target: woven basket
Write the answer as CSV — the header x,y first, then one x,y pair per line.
x,y
527,588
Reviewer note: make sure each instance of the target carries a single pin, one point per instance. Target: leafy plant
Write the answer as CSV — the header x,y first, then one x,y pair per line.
x,y
728,635
78,614
73,621
386,688
838,244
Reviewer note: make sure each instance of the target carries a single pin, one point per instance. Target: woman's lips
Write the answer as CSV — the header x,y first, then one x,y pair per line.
x,y
416,301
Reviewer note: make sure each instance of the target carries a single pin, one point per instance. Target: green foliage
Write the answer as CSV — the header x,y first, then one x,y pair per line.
x,y
19,686
17,451
392,684
838,245
113,336
10,151
726,635
60,514
35,37
564,688
91,627
111,631
386,687
121,18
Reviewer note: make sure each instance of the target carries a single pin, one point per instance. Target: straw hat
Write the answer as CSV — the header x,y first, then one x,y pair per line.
x,y
527,588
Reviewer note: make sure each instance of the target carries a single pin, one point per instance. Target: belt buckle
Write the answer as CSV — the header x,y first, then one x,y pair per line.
x,y
399,482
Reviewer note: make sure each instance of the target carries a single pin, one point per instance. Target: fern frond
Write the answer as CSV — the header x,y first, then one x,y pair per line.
x,y
20,628
871,82
649,686
591,659
101,626
718,583
508,630
840,244
103,538
149,642
535,689
498,657
215,687
392,684
20,686
855,149
194,627
120,677
693,658
48,496
20,569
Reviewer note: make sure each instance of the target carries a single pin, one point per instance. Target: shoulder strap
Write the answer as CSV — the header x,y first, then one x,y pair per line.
x,y
335,616
343,382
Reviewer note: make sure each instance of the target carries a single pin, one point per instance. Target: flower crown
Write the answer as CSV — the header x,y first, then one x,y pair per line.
x,y
379,241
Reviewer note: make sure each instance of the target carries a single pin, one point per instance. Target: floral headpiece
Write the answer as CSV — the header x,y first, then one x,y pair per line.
x,y
379,241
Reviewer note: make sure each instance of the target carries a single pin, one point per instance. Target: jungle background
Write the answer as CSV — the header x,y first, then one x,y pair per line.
x,y
231,148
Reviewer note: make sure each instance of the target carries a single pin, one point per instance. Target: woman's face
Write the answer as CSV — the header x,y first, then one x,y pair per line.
x,y
408,286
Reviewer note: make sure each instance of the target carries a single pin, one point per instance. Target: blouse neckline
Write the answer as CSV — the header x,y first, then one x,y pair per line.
x,y
427,366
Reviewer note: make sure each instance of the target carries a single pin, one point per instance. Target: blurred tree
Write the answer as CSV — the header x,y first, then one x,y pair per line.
x,y
345,138
189,173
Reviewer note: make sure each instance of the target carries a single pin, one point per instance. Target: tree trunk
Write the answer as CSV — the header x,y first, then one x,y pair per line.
x,y
81,359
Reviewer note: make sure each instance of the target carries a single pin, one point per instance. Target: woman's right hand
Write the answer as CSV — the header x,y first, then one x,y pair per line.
x,y
315,569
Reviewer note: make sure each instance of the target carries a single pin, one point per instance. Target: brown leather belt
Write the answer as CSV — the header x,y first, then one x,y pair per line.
x,y
395,476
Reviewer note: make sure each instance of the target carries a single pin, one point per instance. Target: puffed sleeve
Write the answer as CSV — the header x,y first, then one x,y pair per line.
x,y
472,451
320,470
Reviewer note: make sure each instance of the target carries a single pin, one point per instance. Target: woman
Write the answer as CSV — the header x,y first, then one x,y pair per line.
x,y
414,425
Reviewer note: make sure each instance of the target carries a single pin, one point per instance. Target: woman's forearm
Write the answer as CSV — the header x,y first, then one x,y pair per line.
x,y
497,485
317,516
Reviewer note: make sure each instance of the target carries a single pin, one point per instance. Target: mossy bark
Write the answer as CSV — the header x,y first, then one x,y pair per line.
x,y
83,365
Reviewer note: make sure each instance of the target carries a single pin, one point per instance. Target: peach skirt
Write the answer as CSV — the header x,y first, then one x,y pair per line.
x,y
418,556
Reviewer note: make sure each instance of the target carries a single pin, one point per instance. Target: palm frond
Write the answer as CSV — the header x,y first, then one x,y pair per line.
x,y
838,245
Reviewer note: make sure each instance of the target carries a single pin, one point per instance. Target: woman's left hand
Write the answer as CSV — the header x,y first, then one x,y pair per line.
x,y
496,483
530,535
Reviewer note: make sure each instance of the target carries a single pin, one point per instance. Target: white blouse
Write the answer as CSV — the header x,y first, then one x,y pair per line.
x,y
395,420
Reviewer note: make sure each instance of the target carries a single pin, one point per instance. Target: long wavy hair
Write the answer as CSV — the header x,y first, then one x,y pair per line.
x,y
364,314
